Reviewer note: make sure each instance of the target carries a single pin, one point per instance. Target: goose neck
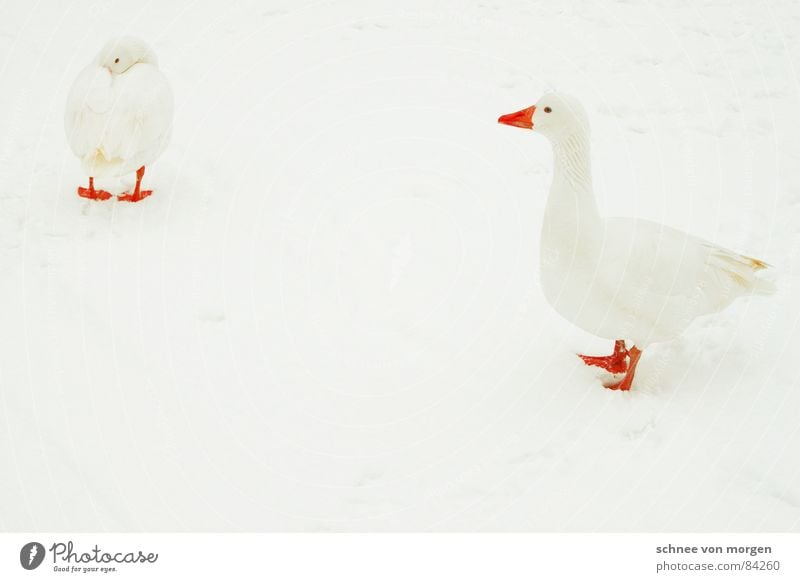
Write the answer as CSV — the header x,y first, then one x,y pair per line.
x,y
572,158
571,211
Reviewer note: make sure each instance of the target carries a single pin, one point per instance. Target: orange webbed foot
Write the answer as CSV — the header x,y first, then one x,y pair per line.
x,y
616,363
93,194
135,196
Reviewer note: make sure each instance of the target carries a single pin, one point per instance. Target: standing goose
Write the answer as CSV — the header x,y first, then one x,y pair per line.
x,y
622,277
118,117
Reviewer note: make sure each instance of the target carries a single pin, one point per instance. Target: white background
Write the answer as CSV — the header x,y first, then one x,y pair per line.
x,y
328,316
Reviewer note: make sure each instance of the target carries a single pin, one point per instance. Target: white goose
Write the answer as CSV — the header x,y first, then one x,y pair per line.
x,y
118,117
622,277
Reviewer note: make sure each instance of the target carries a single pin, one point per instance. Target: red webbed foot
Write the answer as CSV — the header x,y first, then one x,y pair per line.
x,y
138,193
613,364
135,196
616,363
91,193
625,384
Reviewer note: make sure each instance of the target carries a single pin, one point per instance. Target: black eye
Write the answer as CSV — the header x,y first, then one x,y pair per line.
x,y
116,60
547,110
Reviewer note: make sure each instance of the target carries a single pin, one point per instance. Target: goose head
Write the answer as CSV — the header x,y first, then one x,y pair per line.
x,y
556,116
120,54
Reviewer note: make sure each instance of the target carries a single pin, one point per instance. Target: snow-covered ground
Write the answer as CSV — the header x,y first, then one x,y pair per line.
x,y
328,315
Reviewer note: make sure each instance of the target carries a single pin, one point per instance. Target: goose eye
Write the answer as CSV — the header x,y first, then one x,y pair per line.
x,y
116,60
547,109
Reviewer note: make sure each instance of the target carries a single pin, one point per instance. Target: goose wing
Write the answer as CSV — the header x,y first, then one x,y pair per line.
x,y
664,261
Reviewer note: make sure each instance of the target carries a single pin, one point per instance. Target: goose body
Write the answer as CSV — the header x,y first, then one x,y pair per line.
x,y
622,278
118,115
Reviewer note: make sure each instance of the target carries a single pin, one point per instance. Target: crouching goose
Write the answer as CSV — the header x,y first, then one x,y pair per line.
x,y
118,116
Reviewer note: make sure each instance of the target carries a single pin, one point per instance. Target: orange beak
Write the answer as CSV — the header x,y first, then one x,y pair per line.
x,y
523,119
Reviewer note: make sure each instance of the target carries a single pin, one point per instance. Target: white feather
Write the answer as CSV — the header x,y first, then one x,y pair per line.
x,y
624,278
118,122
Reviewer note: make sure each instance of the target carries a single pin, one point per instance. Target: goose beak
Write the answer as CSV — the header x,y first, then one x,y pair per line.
x,y
523,119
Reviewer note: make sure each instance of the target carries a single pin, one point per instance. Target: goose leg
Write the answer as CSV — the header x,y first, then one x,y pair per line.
x,y
615,363
91,193
625,384
138,194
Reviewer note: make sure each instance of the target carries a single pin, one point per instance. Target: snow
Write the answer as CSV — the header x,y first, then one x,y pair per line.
x,y
328,315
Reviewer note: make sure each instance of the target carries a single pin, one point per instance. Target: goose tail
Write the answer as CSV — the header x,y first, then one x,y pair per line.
x,y
742,271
